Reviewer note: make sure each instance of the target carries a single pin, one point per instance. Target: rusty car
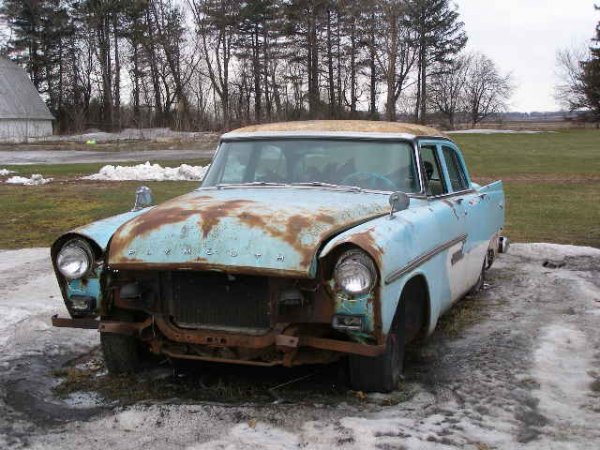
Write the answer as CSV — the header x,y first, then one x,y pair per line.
x,y
306,242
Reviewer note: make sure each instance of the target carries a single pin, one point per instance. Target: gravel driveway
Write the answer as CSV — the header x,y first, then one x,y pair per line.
x,y
525,374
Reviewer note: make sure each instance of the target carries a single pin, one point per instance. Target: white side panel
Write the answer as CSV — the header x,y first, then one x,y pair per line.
x,y
12,130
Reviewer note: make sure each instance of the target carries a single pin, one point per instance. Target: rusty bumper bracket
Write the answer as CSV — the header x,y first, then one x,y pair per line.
x,y
62,322
342,346
128,328
103,326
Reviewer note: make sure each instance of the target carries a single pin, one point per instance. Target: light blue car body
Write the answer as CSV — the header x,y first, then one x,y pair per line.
x,y
289,231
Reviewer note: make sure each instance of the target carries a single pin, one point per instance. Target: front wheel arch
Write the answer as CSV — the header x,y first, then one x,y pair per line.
x,y
415,301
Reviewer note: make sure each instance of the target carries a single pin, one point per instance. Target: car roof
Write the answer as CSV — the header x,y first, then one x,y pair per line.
x,y
314,128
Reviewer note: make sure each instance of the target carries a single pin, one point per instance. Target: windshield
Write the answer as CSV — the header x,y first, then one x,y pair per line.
x,y
367,164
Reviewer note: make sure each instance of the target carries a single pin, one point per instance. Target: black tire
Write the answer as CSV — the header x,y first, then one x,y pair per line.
x,y
480,281
122,354
381,373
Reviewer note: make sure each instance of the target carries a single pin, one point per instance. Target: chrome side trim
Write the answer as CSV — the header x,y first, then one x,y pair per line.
x,y
396,274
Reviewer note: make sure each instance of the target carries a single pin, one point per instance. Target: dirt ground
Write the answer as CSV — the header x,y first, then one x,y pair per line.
x,y
517,366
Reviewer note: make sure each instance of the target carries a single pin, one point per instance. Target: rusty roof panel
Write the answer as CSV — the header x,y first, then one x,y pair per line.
x,y
350,126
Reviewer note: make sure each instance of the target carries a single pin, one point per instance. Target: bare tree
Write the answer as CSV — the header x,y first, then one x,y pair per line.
x,y
570,91
216,25
447,87
487,91
579,72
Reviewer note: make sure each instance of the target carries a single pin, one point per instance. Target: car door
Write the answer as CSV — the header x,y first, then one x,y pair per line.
x,y
449,212
472,207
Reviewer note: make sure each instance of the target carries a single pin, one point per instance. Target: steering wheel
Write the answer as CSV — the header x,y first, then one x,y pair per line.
x,y
370,179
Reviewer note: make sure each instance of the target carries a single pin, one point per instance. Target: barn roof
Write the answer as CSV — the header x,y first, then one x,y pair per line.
x,y
19,99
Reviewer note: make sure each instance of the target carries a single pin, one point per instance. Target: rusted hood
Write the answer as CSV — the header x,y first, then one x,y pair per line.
x,y
244,230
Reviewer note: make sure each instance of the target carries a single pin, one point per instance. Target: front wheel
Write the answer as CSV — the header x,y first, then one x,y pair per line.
x,y
381,373
122,354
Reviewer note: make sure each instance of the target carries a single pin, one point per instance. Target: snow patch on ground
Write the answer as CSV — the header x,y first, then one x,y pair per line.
x,y
5,172
84,400
34,294
562,367
35,180
253,437
560,364
493,131
149,172
129,134
541,251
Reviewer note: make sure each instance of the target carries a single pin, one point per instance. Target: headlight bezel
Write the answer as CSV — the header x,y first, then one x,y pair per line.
x,y
354,260
87,252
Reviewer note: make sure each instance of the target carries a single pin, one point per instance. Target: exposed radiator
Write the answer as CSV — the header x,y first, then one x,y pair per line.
x,y
216,300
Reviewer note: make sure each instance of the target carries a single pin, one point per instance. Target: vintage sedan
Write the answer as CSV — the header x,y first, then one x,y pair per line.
x,y
306,242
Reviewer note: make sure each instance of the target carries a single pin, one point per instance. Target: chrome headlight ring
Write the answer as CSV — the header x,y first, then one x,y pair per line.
x,y
355,273
75,259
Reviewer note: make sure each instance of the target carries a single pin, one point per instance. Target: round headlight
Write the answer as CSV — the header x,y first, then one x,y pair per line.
x,y
355,273
74,259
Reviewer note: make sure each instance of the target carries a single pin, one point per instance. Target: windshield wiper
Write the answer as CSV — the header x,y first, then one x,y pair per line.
x,y
329,185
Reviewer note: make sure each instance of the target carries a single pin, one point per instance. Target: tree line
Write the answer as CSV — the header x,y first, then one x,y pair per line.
x,y
217,64
579,70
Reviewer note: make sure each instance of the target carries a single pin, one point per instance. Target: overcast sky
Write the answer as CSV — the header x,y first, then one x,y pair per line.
x,y
523,36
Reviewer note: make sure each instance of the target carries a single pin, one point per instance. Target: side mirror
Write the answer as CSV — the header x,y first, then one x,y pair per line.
x,y
143,198
399,201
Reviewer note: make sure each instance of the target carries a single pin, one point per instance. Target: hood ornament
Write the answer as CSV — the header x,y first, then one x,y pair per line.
x,y
143,198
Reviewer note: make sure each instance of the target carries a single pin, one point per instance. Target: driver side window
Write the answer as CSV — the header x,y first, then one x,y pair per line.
x,y
434,181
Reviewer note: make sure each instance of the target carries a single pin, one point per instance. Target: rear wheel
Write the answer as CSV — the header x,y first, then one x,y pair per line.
x,y
381,373
480,281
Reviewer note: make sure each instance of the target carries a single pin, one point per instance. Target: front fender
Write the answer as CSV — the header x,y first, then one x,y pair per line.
x,y
98,234
393,243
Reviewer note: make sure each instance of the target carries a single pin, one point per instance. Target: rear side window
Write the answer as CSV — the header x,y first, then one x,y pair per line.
x,y
458,180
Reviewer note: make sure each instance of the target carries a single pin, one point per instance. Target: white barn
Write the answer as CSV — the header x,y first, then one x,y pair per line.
x,y
23,113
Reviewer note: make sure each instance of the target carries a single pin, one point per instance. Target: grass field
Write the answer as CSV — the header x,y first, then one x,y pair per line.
x,y
552,183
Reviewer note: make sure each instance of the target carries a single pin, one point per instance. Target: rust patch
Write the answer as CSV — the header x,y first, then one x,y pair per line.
x,y
367,242
290,231
175,211
211,215
451,205
144,224
325,218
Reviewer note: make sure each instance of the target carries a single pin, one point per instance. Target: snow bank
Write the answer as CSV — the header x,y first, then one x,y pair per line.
x,y
35,180
5,172
541,251
132,134
493,131
149,172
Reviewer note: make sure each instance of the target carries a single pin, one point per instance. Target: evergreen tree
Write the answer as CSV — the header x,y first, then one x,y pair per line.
x,y
590,77
439,36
